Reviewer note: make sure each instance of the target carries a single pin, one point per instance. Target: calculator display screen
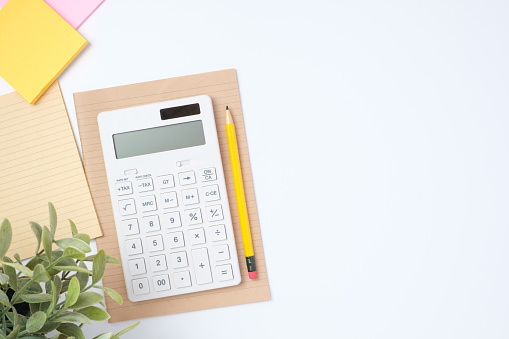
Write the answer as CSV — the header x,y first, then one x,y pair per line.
x,y
159,139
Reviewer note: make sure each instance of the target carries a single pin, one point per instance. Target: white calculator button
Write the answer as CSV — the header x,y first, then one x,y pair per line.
x,y
124,188
127,207
182,279
145,185
196,236
178,259
155,243
165,181
221,252
201,266
130,227
169,200
150,223
161,282
147,203
217,233
140,286
187,178
172,219
208,174
158,263
214,213
133,246
224,272
137,266
211,193
176,239
193,216
190,196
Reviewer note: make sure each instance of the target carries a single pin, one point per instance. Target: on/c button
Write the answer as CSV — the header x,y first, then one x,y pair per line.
x,y
131,171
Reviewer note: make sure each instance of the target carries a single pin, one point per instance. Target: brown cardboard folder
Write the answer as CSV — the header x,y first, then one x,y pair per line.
x,y
222,87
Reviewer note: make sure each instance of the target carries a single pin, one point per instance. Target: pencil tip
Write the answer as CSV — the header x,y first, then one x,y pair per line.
x,y
227,107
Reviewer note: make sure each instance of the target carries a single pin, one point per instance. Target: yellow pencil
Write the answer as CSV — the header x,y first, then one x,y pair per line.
x,y
239,194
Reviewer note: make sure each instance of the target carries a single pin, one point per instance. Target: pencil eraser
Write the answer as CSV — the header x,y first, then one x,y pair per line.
x,y
252,275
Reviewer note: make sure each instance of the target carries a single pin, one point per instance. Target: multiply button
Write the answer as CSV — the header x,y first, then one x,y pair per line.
x,y
124,188
127,207
145,185
187,178
190,196
208,174
196,236
211,192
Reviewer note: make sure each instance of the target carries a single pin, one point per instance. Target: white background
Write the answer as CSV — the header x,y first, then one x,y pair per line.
x,y
378,140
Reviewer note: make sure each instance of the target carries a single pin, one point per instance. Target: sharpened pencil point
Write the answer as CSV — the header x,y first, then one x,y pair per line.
x,y
226,107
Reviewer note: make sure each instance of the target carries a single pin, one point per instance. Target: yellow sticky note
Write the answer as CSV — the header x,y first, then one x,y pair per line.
x,y
36,45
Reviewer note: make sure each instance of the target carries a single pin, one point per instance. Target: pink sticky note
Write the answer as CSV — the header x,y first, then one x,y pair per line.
x,y
75,12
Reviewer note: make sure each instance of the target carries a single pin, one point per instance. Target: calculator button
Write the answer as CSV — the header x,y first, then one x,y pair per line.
x,y
190,196
158,263
155,243
133,246
165,181
130,227
169,200
124,188
150,223
127,207
187,178
161,282
217,233
211,193
147,203
201,266
214,213
145,185
172,219
182,279
221,252
176,239
208,174
193,216
224,272
178,259
137,266
197,236
131,171
140,286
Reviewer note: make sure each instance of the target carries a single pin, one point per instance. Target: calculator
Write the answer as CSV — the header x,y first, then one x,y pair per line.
x,y
169,198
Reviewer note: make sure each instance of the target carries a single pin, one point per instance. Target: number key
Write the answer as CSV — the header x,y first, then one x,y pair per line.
x,y
140,286
133,246
151,223
176,239
130,227
179,259
172,220
161,282
137,266
158,263
155,243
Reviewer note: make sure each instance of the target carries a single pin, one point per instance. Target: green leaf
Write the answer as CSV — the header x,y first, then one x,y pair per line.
x,y
54,300
23,269
82,277
73,292
52,219
47,243
11,272
73,252
99,267
108,335
83,236
14,332
95,313
74,229
4,278
58,284
48,326
36,298
36,321
4,299
37,229
18,258
71,330
73,269
109,259
87,299
33,287
127,329
72,317
112,293
40,274
77,243
5,237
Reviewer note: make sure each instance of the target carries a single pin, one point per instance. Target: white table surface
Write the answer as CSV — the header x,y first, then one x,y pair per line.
x,y
378,141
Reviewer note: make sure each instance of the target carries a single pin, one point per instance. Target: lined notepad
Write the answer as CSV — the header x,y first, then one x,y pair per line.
x,y
40,163
222,87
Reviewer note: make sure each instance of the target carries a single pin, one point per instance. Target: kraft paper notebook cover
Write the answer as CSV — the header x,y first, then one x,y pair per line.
x,y
36,45
222,87
39,163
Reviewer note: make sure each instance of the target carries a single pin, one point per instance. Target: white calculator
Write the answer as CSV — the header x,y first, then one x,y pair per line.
x,y
169,198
